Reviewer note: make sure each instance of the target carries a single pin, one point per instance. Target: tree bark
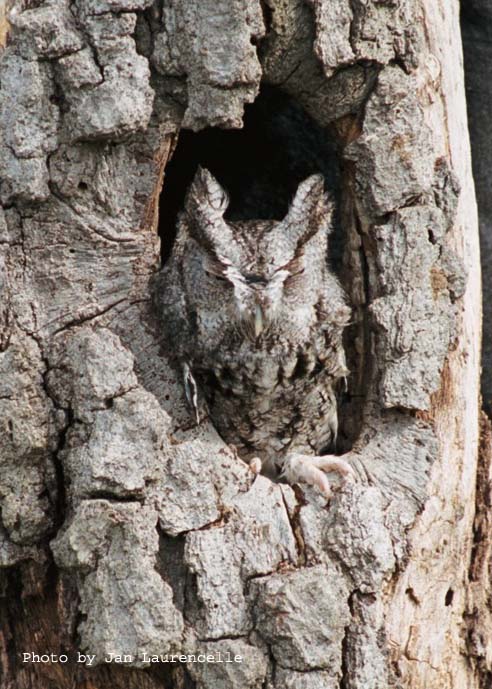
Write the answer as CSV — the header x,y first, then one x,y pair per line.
x,y
125,527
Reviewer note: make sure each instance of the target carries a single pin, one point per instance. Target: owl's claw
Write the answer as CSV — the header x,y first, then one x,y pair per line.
x,y
306,469
255,465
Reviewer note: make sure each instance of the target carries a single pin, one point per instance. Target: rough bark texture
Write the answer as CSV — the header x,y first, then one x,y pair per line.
x,y
128,529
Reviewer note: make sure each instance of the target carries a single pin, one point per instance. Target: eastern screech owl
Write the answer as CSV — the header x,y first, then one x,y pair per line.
x,y
255,318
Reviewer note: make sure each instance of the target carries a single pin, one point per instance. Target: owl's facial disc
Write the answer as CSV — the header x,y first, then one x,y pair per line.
x,y
257,293
257,299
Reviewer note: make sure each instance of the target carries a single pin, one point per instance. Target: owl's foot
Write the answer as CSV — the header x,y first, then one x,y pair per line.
x,y
299,468
255,465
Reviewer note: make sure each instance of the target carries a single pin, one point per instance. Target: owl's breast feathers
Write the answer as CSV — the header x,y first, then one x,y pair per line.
x,y
273,398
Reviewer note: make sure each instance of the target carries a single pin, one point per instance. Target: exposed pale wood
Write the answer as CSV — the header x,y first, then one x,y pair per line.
x,y
426,613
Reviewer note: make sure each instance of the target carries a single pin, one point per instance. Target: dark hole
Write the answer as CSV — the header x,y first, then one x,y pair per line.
x,y
260,165
83,186
449,597
267,16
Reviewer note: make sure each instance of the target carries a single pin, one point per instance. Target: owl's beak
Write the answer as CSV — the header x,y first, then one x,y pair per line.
x,y
259,322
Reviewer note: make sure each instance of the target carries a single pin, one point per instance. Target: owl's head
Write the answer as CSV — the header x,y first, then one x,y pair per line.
x,y
255,273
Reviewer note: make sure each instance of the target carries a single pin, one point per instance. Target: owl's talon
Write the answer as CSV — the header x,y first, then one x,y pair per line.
x,y
340,466
306,469
255,465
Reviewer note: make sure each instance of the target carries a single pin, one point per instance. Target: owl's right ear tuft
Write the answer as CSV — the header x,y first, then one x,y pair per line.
x,y
309,213
206,194
310,205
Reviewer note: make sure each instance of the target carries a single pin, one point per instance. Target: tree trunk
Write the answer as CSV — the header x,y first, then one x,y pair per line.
x,y
129,532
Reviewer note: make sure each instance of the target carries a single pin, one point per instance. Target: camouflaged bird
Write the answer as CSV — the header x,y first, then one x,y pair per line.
x,y
255,319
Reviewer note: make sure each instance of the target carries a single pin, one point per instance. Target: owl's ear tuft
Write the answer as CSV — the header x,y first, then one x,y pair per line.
x,y
207,194
309,212
205,205
310,206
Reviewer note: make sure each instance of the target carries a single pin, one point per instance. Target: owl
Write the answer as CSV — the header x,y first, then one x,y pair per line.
x,y
255,319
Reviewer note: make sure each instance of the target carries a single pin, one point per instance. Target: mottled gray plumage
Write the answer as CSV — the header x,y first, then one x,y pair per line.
x,y
255,317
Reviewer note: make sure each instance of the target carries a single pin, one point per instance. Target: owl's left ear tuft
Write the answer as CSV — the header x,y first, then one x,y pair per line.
x,y
205,205
207,191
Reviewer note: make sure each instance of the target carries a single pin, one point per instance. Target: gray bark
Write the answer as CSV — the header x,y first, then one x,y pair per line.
x,y
128,529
